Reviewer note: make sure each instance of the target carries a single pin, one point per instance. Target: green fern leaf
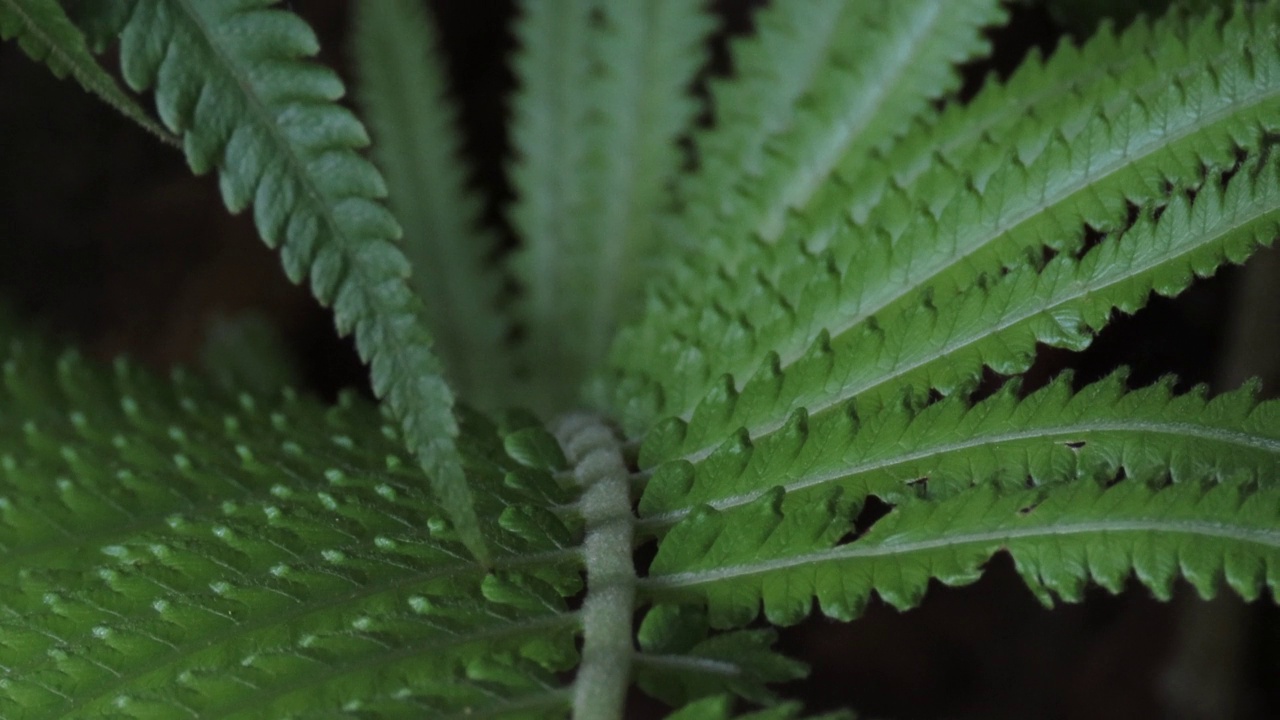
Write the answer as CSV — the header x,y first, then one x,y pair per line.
x,y
782,555
1062,91
47,35
946,346
1059,92
809,101
232,79
1038,198
1054,435
402,94
169,549
600,109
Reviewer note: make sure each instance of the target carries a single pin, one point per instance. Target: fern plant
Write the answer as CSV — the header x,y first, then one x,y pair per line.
x,y
729,336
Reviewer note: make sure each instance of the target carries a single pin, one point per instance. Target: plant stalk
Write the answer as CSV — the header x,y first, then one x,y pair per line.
x,y
600,688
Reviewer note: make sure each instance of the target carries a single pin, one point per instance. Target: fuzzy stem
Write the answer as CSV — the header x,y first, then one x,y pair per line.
x,y
600,688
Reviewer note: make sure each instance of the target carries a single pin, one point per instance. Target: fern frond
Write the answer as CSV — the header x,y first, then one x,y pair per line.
x,y
45,33
1058,91
601,106
402,95
782,555
549,114
172,550
944,346
1173,134
1053,435
233,79
828,100
1063,91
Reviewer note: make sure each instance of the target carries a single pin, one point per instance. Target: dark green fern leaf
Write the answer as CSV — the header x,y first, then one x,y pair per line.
x,y
720,707
680,661
45,33
176,550
402,93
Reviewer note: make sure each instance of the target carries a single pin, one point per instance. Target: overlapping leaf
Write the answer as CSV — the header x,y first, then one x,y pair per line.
x,y
1061,92
1041,194
944,346
45,33
169,549
233,78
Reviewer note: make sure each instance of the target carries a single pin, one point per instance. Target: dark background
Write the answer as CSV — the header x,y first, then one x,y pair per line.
x,y
106,240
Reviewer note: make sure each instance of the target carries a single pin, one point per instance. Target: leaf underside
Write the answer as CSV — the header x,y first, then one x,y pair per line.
x,y
201,553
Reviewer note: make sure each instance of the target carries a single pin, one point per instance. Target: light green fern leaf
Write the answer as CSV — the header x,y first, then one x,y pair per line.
x,y
1058,94
810,100
233,79
1062,91
170,549
402,94
1126,154
648,54
1053,435
996,324
47,35
782,555
550,111
603,100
